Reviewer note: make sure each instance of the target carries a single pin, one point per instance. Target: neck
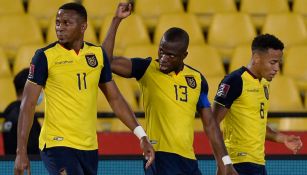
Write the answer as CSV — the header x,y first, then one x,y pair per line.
x,y
254,71
180,67
76,45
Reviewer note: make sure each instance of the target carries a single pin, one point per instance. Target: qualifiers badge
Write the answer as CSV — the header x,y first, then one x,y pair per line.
x,y
191,81
266,92
91,59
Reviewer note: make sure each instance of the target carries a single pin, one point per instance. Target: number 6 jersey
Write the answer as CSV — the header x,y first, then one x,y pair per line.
x,y
244,125
70,81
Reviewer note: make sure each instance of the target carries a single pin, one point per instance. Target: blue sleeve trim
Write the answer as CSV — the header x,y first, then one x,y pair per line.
x,y
39,68
106,73
139,67
203,101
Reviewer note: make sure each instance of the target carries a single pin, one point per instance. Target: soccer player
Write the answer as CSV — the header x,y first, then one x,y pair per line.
x,y
70,71
242,102
173,92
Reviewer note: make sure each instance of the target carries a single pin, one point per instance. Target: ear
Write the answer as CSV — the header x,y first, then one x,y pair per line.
x,y
184,55
83,27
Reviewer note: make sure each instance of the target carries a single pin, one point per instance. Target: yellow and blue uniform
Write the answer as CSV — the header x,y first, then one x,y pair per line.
x,y
70,83
170,103
244,125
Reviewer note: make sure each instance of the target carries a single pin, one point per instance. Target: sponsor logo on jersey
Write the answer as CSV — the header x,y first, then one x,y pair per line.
x,y
266,92
191,81
91,60
223,90
57,138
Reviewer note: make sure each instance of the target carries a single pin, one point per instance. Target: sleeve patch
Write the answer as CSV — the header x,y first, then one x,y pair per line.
x,y
31,71
223,90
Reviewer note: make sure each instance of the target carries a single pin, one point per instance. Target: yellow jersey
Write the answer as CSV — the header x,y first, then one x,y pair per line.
x,y
244,125
170,104
70,81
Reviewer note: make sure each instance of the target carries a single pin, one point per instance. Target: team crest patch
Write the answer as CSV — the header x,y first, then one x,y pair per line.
x,y
223,90
266,92
91,60
191,81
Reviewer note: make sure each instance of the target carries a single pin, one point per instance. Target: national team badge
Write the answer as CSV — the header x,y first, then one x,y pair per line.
x,y
266,92
191,81
223,90
91,60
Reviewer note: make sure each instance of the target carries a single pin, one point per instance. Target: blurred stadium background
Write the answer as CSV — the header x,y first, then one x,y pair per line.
x,y
220,32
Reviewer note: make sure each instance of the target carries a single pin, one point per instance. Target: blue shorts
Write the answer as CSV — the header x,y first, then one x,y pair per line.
x,y
172,164
64,160
248,168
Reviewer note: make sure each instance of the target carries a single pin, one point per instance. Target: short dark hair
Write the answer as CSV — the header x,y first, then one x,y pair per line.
x,y
176,34
20,80
80,9
264,42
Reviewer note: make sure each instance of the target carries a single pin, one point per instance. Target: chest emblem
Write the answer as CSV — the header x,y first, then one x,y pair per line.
x,y
91,60
266,92
191,81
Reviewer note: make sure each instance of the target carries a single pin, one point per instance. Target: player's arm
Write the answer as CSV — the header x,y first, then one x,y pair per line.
x,y
212,130
25,121
229,89
292,142
216,140
124,112
123,11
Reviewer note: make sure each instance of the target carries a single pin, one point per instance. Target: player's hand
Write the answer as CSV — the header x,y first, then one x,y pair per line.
x,y
293,143
148,151
230,170
123,10
22,163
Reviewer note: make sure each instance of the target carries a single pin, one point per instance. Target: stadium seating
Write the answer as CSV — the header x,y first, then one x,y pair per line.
x,y
89,36
98,9
295,66
241,57
288,27
292,124
10,7
187,22
102,103
45,10
213,83
4,65
300,7
24,57
132,31
7,92
229,30
126,88
260,8
141,51
205,9
150,10
205,59
284,95
18,30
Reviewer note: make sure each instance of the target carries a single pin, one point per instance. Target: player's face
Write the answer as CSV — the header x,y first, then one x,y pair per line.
x,y
171,56
270,63
69,26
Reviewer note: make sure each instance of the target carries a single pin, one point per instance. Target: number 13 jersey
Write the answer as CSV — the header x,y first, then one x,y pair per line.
x,y
170,103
